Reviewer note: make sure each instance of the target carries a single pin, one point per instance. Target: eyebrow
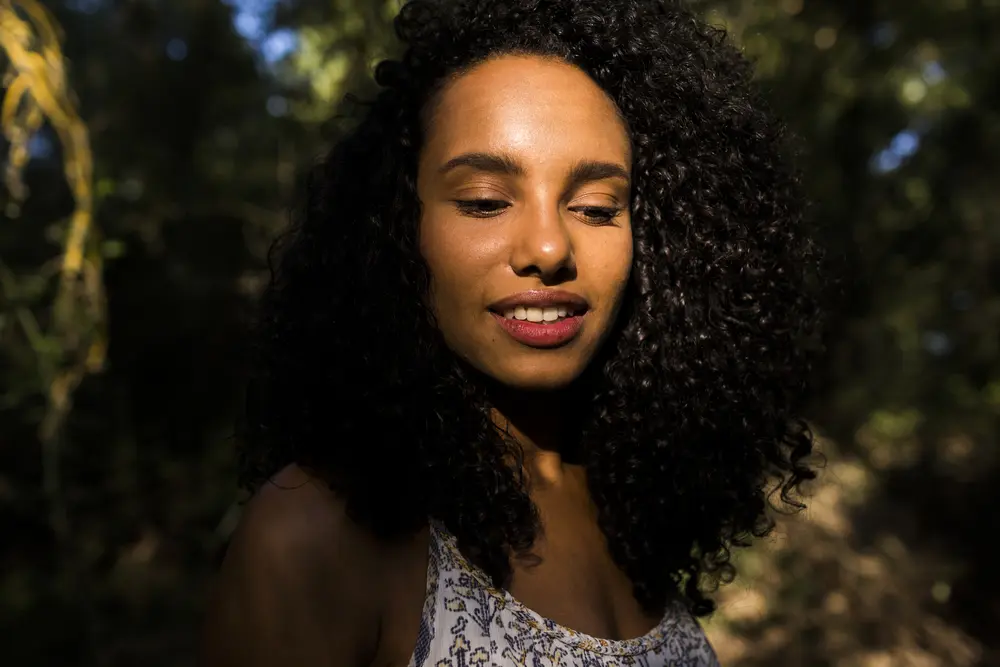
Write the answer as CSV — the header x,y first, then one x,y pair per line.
x,y
494,163
589,171
586,171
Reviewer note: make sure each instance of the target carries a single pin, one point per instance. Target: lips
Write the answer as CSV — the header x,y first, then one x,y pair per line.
x,y
541,319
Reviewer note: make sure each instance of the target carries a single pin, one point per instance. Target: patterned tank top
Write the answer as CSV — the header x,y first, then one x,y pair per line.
x,y
467,622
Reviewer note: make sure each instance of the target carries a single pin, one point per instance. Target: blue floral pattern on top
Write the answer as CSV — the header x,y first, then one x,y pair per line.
x,y
467,622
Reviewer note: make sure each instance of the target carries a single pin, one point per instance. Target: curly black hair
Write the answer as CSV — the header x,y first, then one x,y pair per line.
x,y
692,411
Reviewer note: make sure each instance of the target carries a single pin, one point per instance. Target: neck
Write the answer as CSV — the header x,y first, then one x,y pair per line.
x,y
542,424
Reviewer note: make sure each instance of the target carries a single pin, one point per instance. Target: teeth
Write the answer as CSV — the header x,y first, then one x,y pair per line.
x,y
532,314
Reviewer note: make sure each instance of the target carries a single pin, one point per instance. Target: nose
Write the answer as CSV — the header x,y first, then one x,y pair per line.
x,y
542,246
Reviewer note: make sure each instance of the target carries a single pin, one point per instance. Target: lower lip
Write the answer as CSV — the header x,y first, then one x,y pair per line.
x,y
540,334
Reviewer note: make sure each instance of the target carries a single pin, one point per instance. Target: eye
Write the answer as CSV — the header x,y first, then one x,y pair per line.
x,y
481,208
598,215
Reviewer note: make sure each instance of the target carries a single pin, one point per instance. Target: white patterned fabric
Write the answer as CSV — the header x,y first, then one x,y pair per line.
x,y
467,622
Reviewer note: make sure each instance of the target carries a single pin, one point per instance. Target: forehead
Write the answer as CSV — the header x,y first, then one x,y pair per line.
x,y
536,108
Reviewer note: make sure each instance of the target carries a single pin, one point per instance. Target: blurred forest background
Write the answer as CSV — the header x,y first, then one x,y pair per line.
x,y
150,149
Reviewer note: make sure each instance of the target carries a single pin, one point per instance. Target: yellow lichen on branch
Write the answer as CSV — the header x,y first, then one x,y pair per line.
x,y
37,92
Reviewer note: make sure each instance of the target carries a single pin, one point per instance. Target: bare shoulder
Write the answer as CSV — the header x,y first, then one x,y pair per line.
x,y
296,517
300,583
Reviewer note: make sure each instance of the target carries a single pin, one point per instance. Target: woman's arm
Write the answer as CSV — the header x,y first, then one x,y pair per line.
x,y
299,584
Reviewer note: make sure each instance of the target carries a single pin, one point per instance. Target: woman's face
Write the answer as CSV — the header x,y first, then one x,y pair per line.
x,y
524,180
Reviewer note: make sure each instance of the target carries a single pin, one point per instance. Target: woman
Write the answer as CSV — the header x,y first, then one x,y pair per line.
x,y
531,356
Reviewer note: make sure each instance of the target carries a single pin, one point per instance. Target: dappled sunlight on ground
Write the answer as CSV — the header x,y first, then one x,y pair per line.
x,y
809,595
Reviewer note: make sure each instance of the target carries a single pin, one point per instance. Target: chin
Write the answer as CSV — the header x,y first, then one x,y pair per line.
x,y
538,377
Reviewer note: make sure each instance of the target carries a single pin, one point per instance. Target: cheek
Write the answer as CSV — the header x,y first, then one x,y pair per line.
x,y
626,254
610,263
627,259
621,278
456,264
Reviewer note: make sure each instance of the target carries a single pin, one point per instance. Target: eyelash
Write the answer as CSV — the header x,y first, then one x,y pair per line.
x,y
489,208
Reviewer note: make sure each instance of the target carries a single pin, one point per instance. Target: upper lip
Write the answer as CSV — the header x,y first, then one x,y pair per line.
x,y
541,299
